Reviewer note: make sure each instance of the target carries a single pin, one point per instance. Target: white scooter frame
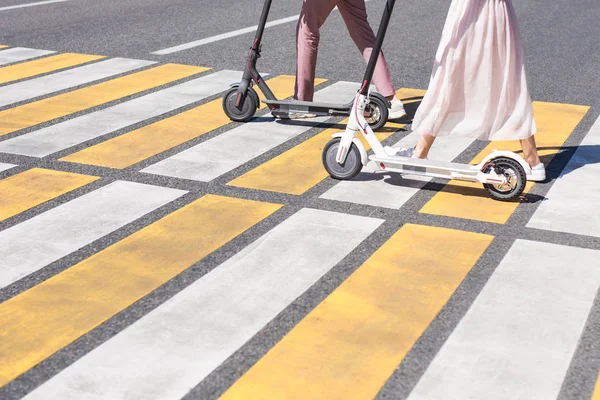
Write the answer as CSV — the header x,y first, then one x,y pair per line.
x,y
502,173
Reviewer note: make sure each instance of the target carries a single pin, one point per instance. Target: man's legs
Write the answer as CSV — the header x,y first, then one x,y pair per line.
x,y
354,13
313,15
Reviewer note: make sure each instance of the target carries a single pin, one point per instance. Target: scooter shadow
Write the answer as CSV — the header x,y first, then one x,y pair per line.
x,y
437,185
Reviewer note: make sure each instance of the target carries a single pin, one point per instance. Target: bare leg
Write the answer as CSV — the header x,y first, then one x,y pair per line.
x,y
530,151
423,146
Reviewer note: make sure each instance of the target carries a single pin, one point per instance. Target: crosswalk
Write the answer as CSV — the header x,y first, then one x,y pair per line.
x,y
217,259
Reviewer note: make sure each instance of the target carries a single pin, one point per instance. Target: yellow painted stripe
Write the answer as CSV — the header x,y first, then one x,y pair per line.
x,y
44,319
36,186
41,66
350,344
13,119
3,46
140,144
300,168
555,124
596,395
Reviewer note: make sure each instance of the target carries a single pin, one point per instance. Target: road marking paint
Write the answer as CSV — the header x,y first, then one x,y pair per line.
x,y
201,42
17,54
36,186
4,166
138,145
350,344
468,200
571,204
61,136
39,3
44,65
31,114
3,46
227,35
167,352
286,174
53,314
31,245
221,154
520,334
48,84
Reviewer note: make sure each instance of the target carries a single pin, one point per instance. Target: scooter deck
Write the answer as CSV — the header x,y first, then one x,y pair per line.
x,y
395,161
307,106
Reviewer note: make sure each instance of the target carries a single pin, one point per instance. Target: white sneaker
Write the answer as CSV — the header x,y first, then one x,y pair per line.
x,y
538,173
396,111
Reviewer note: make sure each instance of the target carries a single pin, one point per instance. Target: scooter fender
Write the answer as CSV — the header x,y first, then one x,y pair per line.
x,y
249,90
363,153
508,154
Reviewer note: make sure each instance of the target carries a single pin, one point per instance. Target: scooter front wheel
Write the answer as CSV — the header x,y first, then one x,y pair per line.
x,y
349,168
376,113
248,108
515,175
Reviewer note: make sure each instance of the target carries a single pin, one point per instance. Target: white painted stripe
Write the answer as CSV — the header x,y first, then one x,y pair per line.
x,y
72,132
572,203
390,190
227,35
31,245
4,167
169,351
208,160
65,79
518,338
39,3
239,32
16,54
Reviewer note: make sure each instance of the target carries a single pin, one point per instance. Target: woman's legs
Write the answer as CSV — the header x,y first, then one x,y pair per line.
x,y
530,153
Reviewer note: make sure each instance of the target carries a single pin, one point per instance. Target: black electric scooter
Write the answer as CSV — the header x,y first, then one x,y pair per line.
x,y
241,101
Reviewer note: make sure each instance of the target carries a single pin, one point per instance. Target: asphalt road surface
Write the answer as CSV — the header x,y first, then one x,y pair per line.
x,y
150,248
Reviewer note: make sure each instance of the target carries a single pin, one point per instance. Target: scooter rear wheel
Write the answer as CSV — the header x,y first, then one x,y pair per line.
x,y
517,179
248,109
351,166
379,113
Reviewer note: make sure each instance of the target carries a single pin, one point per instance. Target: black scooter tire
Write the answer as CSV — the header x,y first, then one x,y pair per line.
x,y
376,102
351,167
520,176
249,106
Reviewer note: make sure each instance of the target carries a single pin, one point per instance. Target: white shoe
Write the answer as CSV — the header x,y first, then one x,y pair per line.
x,y
404,152
396,111
538,173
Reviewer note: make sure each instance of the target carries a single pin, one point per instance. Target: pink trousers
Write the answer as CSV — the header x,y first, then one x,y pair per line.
x,y
313,15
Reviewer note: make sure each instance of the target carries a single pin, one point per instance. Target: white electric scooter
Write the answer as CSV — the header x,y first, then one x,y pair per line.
x,y
502,173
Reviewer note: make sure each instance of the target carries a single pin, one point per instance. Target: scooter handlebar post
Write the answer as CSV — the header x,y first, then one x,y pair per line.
x,y
387,13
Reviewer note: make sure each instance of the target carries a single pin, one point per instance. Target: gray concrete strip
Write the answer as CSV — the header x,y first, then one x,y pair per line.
x,y
519,336
32,244
61,136
571,205
169,351
219,155
48,84
17,54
